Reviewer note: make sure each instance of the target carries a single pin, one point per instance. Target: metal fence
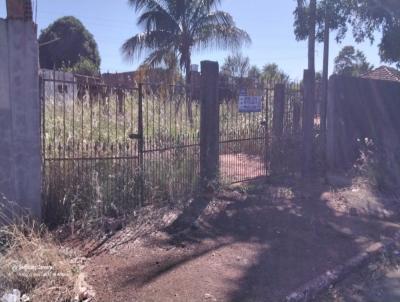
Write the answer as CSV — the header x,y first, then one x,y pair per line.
x,y
109,149
248,144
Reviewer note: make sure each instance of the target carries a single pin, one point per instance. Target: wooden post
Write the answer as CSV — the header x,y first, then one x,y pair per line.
x,y
209,124
308,121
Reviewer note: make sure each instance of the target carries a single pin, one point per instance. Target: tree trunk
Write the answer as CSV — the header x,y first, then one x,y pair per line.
x,y
311,37
188,78
309,95
325,75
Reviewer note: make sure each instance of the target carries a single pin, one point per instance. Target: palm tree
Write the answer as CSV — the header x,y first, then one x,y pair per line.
x,y
181,27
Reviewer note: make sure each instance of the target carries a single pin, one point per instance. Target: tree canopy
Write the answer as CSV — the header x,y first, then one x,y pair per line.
x,y
351,62
236,65
239,66
272,73
370,16
365,16
255,73
67,43
336,12
84,67
181,27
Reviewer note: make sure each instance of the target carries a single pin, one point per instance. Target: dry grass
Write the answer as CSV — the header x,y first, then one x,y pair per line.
x,y
32,262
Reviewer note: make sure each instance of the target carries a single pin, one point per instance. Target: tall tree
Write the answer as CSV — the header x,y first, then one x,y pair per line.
x,y
67,43
333,13
351,62
370,16
181,27
330,15
311,37
236,65
310,19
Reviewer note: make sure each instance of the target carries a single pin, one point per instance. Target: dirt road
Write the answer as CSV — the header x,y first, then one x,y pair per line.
x,y
253,246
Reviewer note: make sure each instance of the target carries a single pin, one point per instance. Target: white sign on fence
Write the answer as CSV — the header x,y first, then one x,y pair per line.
x,y
249,103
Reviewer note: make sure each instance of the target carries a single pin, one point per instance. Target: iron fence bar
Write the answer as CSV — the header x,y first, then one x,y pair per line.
x,y
170,148
91,158
267,138
42,117
241,139
141,145
85,80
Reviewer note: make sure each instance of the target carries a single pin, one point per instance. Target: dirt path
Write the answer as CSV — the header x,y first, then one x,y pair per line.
x,y
237,167
250,247
377,281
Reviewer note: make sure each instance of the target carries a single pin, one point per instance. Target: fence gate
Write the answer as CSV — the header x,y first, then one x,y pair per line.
x,y
259,130
90,146
109,148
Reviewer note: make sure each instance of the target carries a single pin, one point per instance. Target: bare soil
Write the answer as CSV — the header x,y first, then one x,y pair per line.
x,y
376,281
238,167
258,242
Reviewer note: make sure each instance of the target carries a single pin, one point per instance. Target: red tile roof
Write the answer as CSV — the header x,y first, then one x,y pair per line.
x,y
383,73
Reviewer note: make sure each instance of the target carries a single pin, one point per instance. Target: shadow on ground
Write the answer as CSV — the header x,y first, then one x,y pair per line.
x,y
256,245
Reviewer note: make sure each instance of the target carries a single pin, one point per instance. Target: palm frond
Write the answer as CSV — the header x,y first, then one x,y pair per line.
x,y
213,18
221,37
179,26
147,41
210,4
157,19
158,57
138,5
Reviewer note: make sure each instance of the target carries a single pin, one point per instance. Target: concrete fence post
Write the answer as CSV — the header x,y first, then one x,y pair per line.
x,y
209,123
20,151
277,127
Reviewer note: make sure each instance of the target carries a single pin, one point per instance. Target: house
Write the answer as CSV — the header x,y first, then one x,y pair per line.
x,y
383,73
58,85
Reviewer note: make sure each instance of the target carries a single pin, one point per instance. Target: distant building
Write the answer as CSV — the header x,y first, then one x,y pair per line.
x,y
66,86
59,85
132,78
383,73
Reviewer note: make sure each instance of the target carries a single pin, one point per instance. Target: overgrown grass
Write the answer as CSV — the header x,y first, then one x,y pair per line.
x,y
92,168
379,165
32,262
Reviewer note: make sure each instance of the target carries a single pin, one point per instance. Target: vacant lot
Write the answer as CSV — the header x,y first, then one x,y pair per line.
x,y
256,242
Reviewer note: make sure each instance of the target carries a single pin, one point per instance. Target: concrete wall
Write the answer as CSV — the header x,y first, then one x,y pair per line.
x,y
20,151
357,109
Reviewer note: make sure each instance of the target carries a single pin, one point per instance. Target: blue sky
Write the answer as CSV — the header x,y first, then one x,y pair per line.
x,y
269,23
